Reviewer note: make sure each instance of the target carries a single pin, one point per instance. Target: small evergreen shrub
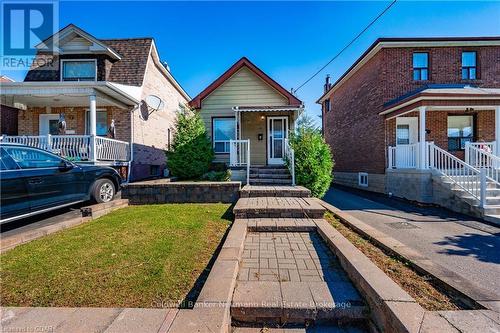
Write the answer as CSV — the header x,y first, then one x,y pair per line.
x,y
192,152
313,158
217,176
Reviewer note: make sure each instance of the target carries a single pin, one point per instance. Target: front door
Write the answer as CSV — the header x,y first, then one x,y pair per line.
x,y
49,124
406,138
277,132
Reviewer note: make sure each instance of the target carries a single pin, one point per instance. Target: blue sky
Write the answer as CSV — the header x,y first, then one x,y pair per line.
x,y
288,40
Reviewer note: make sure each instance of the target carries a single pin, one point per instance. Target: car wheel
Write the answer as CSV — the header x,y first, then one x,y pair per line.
x,y
104,191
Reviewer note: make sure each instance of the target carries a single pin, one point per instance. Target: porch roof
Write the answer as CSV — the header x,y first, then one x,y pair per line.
x,y
443,97
22,94
268,108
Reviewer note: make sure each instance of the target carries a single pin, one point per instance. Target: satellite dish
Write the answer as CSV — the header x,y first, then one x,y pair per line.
x,y
149,105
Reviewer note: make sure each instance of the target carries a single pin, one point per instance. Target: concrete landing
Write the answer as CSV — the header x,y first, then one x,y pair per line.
x,y
273,207
253,191
292,277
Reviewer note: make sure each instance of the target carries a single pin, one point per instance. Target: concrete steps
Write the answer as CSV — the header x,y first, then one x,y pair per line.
x,y
249,191
278,207
270,175
490,213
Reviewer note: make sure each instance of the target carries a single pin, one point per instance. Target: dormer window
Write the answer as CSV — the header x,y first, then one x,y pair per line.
x,y
78,70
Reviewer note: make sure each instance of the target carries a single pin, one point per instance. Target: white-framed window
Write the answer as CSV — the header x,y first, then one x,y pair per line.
x,y
101,122
222,132
363,179
79,70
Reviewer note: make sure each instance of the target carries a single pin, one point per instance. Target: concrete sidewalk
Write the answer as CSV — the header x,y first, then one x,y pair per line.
x,y
463,245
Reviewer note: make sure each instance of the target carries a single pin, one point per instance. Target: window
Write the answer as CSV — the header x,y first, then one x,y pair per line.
x,y
363,179
469,65
420,66
28,158
6,162
78,70
222,132
101,123
403,134
460,131
327,105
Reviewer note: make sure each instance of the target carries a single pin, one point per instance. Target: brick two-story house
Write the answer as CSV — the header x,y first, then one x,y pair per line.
x,y
94,83
411,109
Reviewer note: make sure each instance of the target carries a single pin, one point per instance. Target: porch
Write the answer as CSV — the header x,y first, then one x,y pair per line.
x,y
86,122
261,147
443,147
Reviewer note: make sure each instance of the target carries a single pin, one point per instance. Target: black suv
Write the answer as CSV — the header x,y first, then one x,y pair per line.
x,y
34,181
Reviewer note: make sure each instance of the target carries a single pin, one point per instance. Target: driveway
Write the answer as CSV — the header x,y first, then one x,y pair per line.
x,y
462,244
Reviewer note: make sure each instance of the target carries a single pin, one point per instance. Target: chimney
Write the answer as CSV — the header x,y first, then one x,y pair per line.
x,y
327,85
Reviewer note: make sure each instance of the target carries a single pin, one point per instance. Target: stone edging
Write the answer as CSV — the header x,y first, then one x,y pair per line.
x,y
89,213
470,294
211,312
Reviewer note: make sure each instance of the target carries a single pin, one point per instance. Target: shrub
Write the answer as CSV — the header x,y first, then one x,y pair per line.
x,y
313,158
191,152
217,176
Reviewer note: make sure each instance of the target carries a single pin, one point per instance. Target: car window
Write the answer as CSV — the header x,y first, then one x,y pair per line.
x,y
6,162
28,158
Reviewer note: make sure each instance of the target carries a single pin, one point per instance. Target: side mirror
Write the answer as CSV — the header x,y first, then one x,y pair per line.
x,y
65,166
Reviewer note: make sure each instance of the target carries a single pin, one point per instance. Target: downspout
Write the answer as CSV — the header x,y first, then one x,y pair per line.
x,y
132,122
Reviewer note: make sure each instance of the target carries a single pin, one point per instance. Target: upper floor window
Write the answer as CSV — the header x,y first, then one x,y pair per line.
x,y
327,105
79,70
469,65
420,66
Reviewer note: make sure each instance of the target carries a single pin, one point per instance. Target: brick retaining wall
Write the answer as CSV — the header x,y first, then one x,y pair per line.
x,y
163,191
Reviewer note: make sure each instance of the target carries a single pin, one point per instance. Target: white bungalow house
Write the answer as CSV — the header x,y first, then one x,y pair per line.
x,y
99,87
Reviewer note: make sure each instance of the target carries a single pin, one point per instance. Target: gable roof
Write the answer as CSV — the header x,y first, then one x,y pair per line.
x,y
243,62
131,68
408,42
52,43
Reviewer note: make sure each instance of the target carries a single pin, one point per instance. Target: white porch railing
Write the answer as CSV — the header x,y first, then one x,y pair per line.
x,y
465,176
290,157
483,159
403,156
76,147
239,155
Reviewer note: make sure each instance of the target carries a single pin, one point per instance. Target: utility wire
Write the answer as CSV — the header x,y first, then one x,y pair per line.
x,y
347,46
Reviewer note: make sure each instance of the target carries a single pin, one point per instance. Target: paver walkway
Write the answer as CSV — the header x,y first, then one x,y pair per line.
x,y
287,273
462,245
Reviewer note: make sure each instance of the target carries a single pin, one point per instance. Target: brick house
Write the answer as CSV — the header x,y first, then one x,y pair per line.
x,y
248,117
94,83
412,114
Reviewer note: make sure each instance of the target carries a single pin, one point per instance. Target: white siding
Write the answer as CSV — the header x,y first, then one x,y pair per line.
x,y
243,88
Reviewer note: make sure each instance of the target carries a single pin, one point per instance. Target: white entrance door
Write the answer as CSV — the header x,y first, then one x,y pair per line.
x,y
406,139
48,124
277,132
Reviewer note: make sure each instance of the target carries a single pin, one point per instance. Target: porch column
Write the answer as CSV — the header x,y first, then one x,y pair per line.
x,y
92,125
497,130
92,115
421,136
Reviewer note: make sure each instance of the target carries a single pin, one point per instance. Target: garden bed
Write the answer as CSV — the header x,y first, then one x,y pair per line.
x,y
417,286
139,256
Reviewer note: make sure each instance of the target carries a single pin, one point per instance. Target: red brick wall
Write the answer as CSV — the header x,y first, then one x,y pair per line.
x,y
353,128
355,131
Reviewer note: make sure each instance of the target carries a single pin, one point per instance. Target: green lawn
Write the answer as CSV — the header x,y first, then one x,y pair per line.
x,y
139,256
